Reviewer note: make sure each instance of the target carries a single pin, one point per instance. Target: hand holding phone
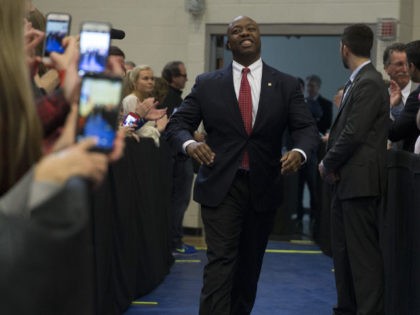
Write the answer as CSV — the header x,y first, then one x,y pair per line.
x,y
57,28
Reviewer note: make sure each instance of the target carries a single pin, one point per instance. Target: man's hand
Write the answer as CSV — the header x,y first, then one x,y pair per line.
x,y
200,152
290,162
395,93
331,178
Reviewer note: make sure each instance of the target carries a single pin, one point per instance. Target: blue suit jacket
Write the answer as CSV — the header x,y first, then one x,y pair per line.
x,y
213,101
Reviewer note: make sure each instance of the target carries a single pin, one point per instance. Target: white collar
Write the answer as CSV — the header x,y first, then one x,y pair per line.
x,y
257,65
357,70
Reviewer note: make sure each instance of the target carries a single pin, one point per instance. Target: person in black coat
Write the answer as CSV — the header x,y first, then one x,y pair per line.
x,y
321,110
355,164
405,127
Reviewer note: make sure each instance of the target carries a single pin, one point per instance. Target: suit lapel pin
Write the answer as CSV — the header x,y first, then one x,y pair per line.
x,y
269,84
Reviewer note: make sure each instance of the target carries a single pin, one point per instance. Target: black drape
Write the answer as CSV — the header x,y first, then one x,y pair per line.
x,y
131,226
401,238
399,229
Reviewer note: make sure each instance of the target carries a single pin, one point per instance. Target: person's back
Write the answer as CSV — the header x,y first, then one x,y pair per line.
x,y
355,164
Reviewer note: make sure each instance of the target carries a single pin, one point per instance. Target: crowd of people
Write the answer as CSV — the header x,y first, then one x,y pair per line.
x,y
238,150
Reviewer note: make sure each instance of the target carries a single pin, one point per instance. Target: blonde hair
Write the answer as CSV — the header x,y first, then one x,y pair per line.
x,y
20,141
132,78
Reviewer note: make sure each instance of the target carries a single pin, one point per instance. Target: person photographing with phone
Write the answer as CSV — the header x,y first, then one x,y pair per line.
x,y
23,166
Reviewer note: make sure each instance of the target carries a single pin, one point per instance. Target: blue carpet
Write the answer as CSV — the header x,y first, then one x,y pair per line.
x,y
291,283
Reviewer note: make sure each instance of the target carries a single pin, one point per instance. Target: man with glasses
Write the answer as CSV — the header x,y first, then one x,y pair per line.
x,y
395,65
175,74
404,128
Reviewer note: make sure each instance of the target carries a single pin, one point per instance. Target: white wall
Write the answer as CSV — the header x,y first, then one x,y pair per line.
x,y
161,30
410,23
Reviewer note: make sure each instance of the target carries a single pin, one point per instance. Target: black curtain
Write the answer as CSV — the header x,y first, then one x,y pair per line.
x,y
400,235
131,226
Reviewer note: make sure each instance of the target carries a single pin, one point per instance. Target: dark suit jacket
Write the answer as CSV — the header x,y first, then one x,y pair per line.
x,y
172,100
213,100
356,149
324,123
405,127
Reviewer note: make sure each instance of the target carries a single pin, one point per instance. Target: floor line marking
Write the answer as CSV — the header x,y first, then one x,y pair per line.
x,y
288,251
283,251
302,242
187,260
144,303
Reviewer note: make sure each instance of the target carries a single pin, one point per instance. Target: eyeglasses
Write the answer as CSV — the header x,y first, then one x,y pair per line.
x,y
183,75
398,64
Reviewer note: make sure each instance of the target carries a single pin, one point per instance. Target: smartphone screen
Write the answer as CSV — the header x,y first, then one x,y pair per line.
x,y
57,27
99,104
94,46
130,119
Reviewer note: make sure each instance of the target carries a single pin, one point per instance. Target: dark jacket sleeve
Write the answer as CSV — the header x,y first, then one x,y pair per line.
x,y
405,126
358,123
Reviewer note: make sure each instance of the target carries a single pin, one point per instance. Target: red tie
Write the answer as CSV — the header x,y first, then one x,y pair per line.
x,y
245,106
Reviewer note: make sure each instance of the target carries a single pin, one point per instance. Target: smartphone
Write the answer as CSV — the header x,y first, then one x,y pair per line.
x,y
131,119
95,38
57,27
99,105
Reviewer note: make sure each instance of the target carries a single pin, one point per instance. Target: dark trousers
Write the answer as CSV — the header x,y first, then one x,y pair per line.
x,y
236,239
359,272
181,194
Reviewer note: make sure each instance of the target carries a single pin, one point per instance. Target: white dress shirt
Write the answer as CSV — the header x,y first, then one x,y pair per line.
x,y
417,146
254,79
405,92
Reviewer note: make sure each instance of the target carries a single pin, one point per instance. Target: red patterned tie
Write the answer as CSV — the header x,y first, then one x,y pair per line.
x,y
245,106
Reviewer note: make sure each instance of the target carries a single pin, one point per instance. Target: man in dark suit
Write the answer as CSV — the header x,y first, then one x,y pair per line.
x,y
175,74
320,107
404,127
355,164
244,114
321,110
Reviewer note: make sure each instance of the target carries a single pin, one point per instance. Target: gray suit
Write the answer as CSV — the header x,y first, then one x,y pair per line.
x,y
356,152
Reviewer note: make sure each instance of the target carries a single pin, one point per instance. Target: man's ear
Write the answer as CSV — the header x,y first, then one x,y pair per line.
x,y
227,45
